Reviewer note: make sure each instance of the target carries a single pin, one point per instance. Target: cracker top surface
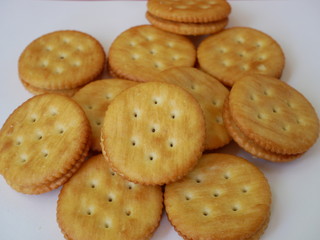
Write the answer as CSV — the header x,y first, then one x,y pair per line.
x,y
210,94
61,60
153,133
102,205
94,98
237,51
194,11
143,51
224,197
42,139
273,114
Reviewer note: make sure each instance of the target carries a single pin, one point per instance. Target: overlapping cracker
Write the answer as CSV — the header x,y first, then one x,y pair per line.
x,y
94,98
192,11
224,197
42,141
187,28
99,204
153,133
273,115
61,60
210,94
250,146
143,51
238,51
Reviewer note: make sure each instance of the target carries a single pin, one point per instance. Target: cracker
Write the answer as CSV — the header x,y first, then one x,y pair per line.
x,y
42,141
193,11
187,28
61,60
238,51
143,51
94,98
273,115
102,205
38,91
224,197
153,133
210,94
249,145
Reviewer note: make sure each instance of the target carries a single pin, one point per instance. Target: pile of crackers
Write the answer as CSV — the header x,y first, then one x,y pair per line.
x,y
124,147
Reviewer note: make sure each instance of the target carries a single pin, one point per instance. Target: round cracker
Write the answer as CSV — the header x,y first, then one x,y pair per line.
x,y
94,98
34,139
224,197
249,145
210,94
143,51
61,60
187,28
235,52
192,11
153,133
102,205
273,114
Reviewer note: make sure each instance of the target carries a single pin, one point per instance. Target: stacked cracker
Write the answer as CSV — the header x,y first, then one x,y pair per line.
x,y
189,17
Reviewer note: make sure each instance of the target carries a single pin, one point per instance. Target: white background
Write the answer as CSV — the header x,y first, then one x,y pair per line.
x,y
294,24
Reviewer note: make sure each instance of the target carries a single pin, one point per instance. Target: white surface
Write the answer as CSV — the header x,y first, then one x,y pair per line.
x,y
294,24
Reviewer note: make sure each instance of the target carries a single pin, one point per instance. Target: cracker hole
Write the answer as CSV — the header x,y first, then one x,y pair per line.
x,y
110,199
259,116
244,190
153,130
265,92
175,58
89,107
89,212
226,176
170,44
132,44
289,104
45,155
241,54
106,225
33,120
274,110
252,98
216,194
151,157
239,40
244,67
61,131
193,87
133,143
135,114
61,57
98,123
112,173
198,180
108,96
187,197
205,213
39,137
285,128
128,213
235,209
173,116
171,144
92,185
130,186
152,51
18,142
258,44
219,120
298,121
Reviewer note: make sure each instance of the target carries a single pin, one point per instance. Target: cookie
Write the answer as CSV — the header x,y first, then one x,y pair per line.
x,y
94,98
142,51
238,51
273,115
224,197
210,94
187,28
194,11
42,143
153,133
61,60
102,205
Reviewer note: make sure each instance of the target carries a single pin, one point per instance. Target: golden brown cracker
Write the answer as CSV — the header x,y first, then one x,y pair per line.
x,y
187,28
210,94
238,51
224,197
61,60
153,133
42,140
192,11
273,114
94,98
102,205
143,51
